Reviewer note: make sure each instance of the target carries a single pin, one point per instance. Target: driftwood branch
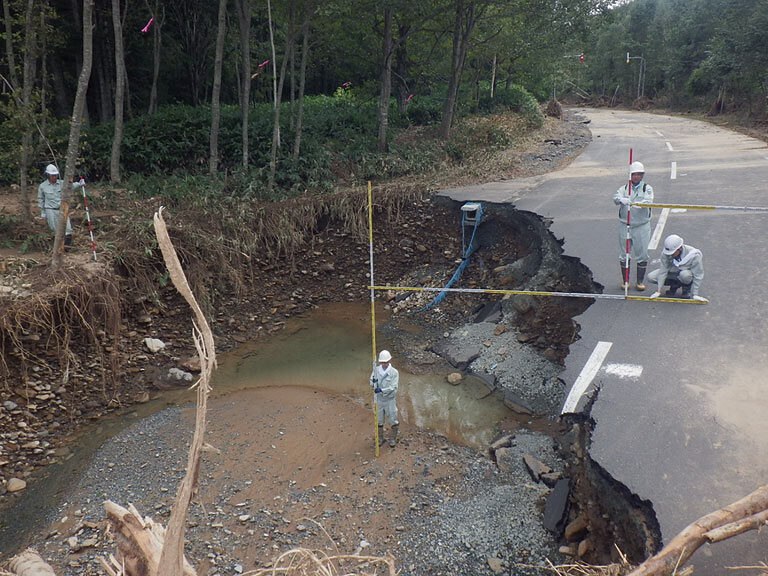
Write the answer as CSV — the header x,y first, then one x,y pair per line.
x,y
29,563
171,560
745,514
145,548
753,522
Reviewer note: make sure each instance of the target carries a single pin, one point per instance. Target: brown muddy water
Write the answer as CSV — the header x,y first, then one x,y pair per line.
x,y
328,349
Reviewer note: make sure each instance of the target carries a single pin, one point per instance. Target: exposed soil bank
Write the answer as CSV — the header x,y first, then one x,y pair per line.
x,y
440,507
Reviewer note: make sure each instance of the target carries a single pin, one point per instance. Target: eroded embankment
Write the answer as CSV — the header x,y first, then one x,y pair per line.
x,y
417,243
516,344
606,518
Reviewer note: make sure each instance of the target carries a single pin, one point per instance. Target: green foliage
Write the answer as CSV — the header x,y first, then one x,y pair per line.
x,y
700,82
425,110
516,98
7,224
36,243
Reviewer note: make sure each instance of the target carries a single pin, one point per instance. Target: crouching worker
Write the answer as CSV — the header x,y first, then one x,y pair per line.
x,y
49,200
384,381
681,267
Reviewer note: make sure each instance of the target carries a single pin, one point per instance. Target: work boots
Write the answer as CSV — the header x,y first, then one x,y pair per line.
x,y
673,284
686,293
393,436
381,435
641,266
624,284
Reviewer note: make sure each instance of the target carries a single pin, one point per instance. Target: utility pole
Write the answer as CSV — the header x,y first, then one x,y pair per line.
x,y
640,74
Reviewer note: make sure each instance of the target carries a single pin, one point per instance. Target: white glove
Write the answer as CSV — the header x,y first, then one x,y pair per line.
x,y
655,295
700,299
624,201
82,182
42,215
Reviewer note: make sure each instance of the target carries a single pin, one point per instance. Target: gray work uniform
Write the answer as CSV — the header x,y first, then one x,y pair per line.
x,y
385,400
49,201
688,269
639,221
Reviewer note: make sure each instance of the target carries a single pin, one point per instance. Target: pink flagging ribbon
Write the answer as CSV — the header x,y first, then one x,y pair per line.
x,y
146,28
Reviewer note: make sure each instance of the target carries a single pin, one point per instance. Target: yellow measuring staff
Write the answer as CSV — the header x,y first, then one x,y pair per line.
x,y
536,293
704,207
373,319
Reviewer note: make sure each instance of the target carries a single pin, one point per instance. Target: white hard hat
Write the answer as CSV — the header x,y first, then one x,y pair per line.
x,y
671,244
51,170
636,167
385,356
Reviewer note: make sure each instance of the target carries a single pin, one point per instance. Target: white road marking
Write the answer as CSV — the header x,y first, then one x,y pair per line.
x,y
586,376
679,210
659,230
669,146
673,172
624,370
659,133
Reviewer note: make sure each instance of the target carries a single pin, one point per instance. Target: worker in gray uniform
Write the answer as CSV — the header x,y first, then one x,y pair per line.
x,y
384,381
681,266
49,200
631,200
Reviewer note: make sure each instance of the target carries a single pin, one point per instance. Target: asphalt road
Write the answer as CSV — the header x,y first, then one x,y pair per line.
x,y
682,409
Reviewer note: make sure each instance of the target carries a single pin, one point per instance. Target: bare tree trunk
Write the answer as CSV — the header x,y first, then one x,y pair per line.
x,y
749,513
274,67
274,60
74,132
401,67
43,68
385,79
244,16
464,23
14,77
278,100
60,94
221,31
493,77
30,43
104,110
302,76
117,140
292,61
157,44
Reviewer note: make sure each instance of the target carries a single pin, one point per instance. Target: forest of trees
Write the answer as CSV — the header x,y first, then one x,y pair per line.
x,y
712,54
260,87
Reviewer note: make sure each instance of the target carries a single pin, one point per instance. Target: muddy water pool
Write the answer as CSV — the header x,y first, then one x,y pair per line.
x,y
328,349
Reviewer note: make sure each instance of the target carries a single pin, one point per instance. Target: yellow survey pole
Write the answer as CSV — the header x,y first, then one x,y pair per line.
x,y
373,319
706,207
537,293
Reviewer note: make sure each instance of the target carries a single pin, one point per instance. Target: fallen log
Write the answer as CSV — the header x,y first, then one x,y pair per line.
x,y
29,563
139,542
720,524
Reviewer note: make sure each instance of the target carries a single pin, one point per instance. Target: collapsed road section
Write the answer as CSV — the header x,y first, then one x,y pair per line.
x,y
516,344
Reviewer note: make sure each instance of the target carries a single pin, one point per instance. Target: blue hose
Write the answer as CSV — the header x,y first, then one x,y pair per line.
x,y
466,252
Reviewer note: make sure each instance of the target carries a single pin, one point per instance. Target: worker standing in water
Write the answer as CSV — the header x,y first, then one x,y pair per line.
x,y
384,381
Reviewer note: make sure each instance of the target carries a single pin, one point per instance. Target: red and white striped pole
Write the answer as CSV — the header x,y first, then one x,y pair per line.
x,y
90,226
629,213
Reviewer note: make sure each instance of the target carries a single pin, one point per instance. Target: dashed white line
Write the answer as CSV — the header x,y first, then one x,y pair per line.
x,y
659,133
624,370
673,171
586,376
659,230
669,146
